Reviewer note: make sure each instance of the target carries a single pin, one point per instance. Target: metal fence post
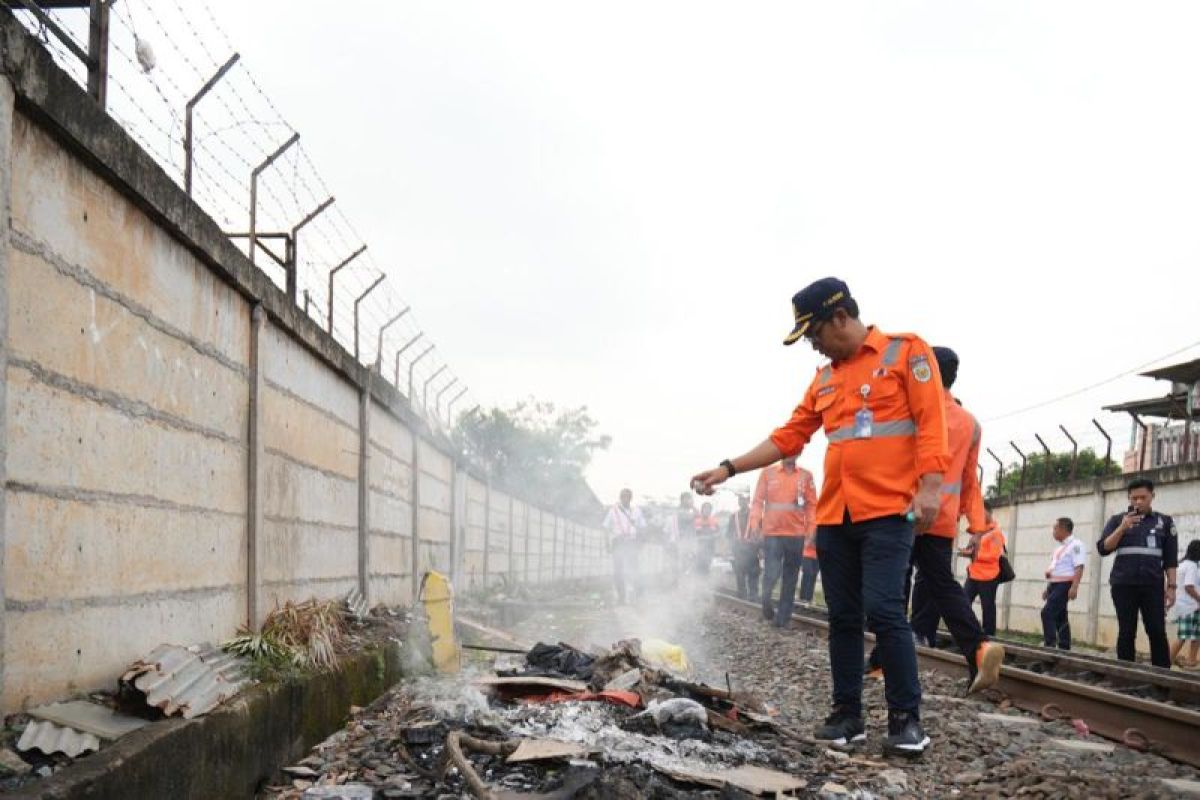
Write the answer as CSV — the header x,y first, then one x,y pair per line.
x,y
358,302
293,248
188,152
295,137
333,272
379,339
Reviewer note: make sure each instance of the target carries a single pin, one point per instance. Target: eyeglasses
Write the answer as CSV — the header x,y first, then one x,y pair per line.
x,y
815,330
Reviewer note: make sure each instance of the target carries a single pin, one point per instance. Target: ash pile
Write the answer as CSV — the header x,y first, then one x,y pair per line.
x,y
560,722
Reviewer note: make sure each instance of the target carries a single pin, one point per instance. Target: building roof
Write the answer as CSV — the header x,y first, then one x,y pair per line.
x,y
1187,372
1171,406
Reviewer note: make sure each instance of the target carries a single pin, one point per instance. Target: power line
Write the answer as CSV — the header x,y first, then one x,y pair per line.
x,y
1090,387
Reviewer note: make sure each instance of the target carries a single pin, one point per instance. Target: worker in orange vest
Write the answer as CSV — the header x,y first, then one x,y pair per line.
x,y
782,510
880,404
983,572
935,592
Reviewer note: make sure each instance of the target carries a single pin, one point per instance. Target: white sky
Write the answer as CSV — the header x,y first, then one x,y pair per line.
x,y
612,205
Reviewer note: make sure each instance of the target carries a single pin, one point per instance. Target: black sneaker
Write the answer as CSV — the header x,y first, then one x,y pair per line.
x,y
768,611
905,737
842,727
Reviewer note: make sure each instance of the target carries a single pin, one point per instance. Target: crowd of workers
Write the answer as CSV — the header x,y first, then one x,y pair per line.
x,y
900,473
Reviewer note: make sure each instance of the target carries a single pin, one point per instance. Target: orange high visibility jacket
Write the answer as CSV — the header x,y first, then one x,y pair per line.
x,y
874,476
985,566
961,495
784,502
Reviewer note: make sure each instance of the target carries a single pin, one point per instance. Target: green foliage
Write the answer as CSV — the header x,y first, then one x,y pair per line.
x,y
1040,470
536,450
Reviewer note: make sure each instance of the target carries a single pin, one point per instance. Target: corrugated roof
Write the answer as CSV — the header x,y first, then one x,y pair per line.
x,y
51,738
1187,372
188,681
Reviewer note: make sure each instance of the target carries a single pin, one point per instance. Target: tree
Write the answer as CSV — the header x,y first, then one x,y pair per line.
x,y
1040,470
536,450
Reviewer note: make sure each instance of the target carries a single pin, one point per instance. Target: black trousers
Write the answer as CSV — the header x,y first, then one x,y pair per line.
x,y
936,594
986,592
1056,622
1148,600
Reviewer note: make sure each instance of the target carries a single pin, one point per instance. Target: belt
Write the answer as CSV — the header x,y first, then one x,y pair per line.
x,y
894,427
1140,551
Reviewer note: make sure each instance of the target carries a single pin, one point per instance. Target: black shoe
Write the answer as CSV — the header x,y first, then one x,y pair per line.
x,y
905,737
842,727
768,612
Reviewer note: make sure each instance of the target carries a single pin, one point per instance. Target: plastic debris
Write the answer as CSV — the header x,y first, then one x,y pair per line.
x,y
658,653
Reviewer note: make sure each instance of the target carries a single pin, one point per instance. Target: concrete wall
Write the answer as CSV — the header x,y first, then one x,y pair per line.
x,y
183,449
1028,518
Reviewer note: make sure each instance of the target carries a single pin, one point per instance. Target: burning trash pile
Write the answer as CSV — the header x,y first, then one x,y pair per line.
x,y
559,722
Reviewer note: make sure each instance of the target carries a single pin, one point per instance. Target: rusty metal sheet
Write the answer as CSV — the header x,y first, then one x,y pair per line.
x,y
189,681
51,738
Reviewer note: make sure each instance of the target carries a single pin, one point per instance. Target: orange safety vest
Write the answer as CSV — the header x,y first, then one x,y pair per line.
x,y
784,502
985,566
873,476
961,495
709,522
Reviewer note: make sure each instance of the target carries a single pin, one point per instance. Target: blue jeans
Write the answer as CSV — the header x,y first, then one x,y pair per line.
x,y
781,562
864,565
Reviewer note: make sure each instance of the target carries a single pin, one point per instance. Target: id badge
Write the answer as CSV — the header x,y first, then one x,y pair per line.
x,y
863,422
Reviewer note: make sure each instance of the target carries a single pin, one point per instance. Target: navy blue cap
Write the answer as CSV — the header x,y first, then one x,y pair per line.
x,y
816,302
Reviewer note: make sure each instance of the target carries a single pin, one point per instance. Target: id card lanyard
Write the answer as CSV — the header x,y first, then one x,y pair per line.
x,y
864,418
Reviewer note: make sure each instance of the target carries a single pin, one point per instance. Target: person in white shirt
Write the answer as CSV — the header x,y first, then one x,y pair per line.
x,y
1063,576
1187,608
623,522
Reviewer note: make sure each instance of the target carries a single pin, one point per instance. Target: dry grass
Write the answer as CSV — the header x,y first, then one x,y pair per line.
x,y
309,635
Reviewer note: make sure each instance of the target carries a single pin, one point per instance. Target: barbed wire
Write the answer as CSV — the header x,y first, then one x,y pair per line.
x,y
237,127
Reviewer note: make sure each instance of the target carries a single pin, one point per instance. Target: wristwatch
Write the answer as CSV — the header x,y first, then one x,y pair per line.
x,y
728,465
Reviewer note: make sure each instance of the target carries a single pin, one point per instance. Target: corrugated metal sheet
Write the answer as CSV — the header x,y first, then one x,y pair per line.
x,y
357,605
188,681
51,738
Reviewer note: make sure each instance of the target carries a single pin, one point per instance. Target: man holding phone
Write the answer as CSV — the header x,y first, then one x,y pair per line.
x,y
1145,545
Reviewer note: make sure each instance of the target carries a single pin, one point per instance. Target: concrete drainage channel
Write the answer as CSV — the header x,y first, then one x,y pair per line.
x,y
232,751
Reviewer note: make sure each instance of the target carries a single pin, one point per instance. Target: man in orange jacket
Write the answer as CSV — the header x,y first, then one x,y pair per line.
x,y
880,404
936,593
782,510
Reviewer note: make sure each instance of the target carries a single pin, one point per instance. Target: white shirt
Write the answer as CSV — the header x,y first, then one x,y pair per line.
x,y
1188,575
624,522
1068,555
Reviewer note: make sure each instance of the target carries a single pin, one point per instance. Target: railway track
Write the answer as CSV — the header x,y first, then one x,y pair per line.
x,y
1142,707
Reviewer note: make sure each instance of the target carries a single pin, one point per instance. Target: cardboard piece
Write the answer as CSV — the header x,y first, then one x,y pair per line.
x,y
538,749
748,778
